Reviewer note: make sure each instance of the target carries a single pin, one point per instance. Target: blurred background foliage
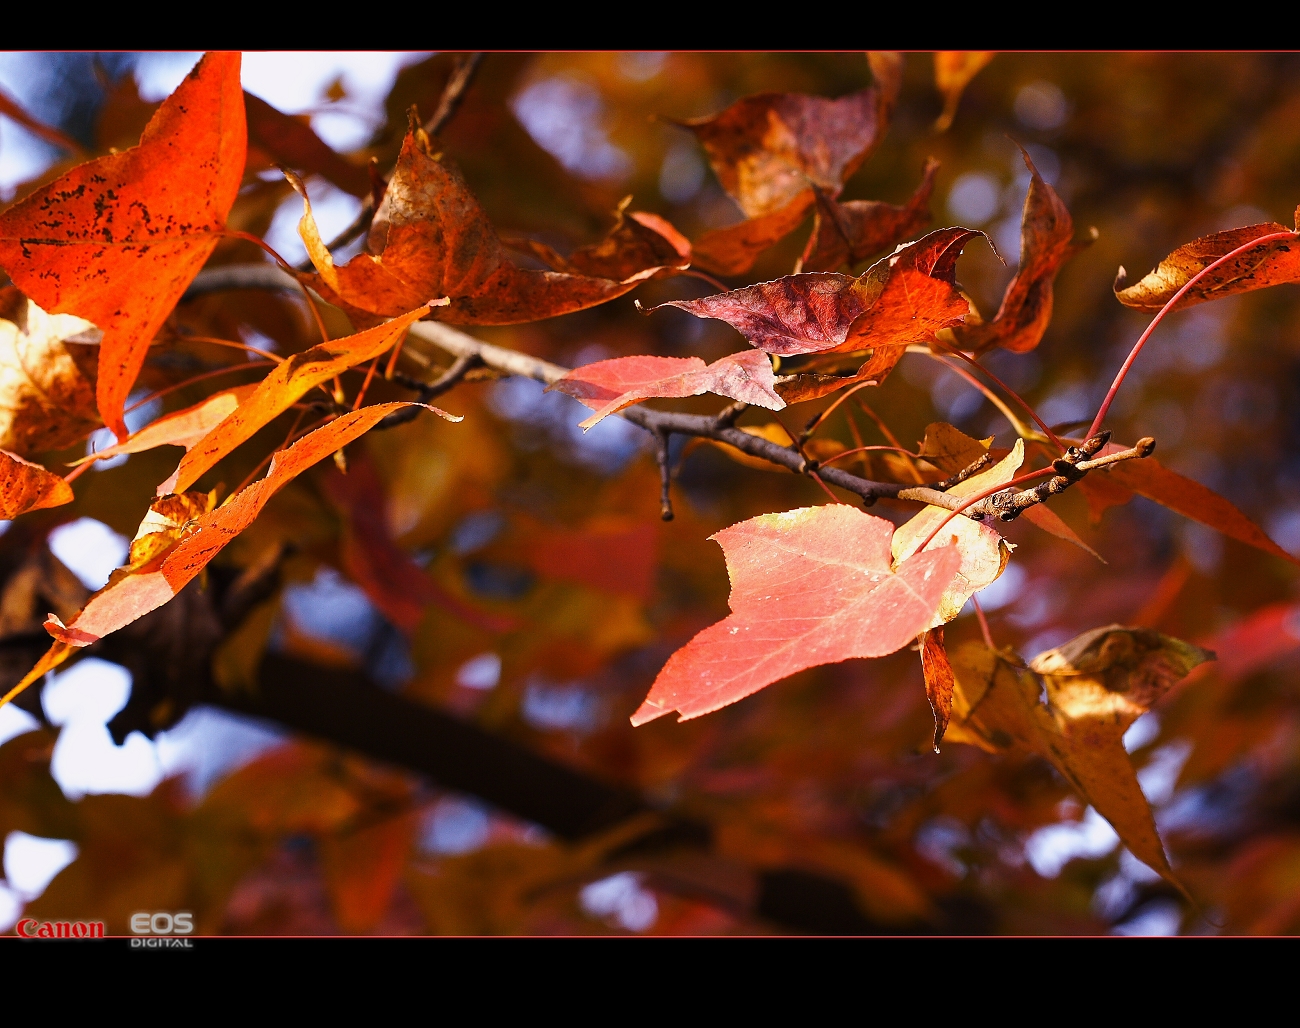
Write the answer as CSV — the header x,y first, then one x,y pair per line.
x,y
558,593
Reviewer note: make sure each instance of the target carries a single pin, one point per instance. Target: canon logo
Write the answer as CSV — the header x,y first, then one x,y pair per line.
x,y
163,923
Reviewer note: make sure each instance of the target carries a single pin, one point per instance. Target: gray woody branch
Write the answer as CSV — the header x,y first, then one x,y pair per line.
x,y
662,424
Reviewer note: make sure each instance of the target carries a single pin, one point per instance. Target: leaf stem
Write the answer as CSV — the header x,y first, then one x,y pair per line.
x,y
1137,347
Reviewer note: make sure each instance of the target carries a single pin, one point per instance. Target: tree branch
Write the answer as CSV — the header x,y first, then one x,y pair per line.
x,y
660,424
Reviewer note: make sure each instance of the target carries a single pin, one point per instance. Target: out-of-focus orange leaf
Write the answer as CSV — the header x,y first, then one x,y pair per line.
x,y
609,386
953,70
1097,686
282,388
810,586
430,238
362,868
26,486
118,239
1190,499
1268,264
938,681
288,141
47,377
1046,233
903,298
614,556
395,583
134,591
984,553
180,428
846,233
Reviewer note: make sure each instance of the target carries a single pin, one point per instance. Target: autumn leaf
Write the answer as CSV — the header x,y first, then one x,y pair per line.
x,y
903,298
180,428
430,238
938,681
846,233
811,586
609,386
1097,685
26,486
1181,494
638,240
118,239
275,138
768,148
282,388
390,577
362,868
769,151
133,591
1046,234
1269,264
47,377
614,555
953,70
952,450
984,553
733,249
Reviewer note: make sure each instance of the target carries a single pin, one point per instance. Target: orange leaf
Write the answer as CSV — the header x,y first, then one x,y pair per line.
x,y
808,587
953,70
734,249
609,386
903,298
637,241
938,681
118,239
1268,264
431,238
281,389
180,428
393,581
288,141
26,486
846,233
1046,231
362,868
1191,499
134,591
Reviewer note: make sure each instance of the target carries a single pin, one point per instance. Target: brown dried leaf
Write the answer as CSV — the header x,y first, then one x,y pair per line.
x,y
768,148
430,238
903,298
1268,264
938,681
1097,686
47,377
846,233
1046,231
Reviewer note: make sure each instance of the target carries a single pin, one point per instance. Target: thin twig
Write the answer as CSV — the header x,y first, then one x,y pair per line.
x,y
453,93
662,440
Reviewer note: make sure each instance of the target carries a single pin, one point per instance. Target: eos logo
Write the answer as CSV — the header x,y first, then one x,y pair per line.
x,y
163,923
